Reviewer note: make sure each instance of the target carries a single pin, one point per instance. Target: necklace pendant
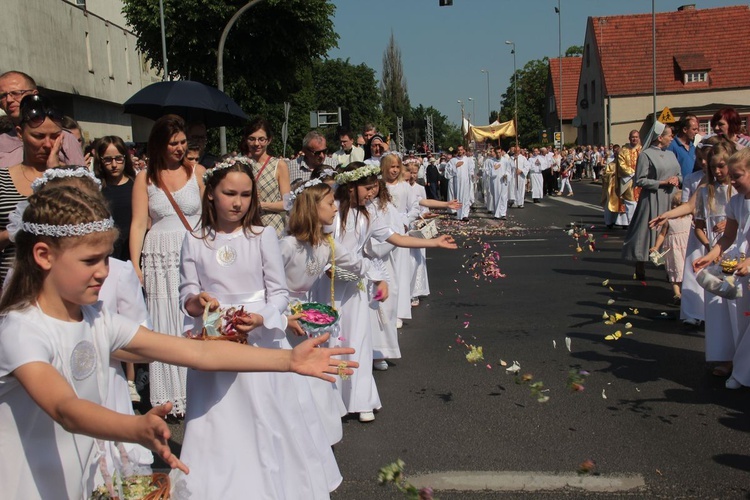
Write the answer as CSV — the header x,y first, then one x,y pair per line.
x,y
226,256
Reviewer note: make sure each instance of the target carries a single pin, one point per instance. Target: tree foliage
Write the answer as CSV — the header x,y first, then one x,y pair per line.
x,y
532,83
393,89
574,51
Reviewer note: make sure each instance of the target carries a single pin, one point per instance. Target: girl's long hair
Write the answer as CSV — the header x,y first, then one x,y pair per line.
x,y
721,151
100,147
163,130
344,196
54,205
304,223
385,164
208,213
384,196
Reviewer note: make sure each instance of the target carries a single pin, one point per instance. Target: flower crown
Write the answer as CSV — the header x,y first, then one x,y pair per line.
x,y
226,164
16,224
63,173
327,173
357,174
289,198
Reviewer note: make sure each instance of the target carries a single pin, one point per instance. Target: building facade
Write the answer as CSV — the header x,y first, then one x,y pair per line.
x,y
702,65
565,105
83,56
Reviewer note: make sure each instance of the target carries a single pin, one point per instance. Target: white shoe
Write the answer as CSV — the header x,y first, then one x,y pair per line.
x,y
731,383
399,323
134,396
366,416
380,365
691,321
415,302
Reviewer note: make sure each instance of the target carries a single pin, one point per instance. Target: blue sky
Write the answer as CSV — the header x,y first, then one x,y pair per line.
x,y
444,49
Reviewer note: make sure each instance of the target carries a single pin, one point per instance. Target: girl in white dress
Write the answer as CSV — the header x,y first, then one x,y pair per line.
x,y
55,346
420,285
710,220
736,233
353,227
248,430
307,253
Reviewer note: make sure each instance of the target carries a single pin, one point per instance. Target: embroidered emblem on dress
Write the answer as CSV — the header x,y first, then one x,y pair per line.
x,y
226,256
83,360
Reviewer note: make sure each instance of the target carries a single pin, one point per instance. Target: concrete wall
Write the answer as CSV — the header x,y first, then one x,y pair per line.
x,y
90,64
593,117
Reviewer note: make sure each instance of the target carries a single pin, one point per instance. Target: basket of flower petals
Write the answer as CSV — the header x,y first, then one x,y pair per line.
x,y
221,324
155,486
424,229
316,318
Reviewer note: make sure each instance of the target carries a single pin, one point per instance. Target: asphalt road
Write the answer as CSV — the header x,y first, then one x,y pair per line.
x,y
665,420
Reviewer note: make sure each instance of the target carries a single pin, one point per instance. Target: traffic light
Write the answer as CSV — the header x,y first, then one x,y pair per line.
x,y
446,3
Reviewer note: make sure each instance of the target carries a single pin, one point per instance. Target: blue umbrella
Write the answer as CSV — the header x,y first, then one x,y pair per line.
x,y
193,101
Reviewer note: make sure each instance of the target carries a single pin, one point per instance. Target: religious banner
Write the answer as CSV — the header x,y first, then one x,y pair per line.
x,y
493,131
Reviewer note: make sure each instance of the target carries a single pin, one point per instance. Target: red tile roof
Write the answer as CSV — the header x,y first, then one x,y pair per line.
x,y
717,38
571,69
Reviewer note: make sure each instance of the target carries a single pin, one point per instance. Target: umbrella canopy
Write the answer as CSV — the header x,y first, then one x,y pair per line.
x,y
193,101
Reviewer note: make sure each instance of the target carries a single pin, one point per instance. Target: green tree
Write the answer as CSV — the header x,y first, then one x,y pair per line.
x,y
574,51
532,83
268,56
444,132
393,89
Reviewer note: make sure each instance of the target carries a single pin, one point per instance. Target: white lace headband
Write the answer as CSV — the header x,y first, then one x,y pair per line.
x,y
16,224
226,164
63,173
289,198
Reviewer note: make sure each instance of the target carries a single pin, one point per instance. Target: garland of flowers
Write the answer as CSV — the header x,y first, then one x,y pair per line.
x,y
244,160
357,174
312,182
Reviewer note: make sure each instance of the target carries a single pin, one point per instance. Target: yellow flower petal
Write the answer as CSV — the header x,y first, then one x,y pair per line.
x,y
628,325
614,336
605,282
605,315
610,302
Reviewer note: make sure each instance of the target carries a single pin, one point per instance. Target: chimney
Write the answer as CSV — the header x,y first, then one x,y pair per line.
x,y
690,6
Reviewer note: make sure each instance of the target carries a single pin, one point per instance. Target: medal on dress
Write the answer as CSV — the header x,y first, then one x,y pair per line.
x,y
226,256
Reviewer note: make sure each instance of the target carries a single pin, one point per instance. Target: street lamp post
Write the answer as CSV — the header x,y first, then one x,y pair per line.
x,y
220,65
487,72
461,126
473,110
558,9
515,87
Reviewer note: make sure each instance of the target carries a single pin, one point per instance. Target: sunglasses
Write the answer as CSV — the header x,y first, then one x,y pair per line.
x,y
36,108
319,152
109,159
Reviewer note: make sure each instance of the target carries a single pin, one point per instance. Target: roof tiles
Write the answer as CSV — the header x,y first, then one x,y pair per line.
x,y
718,38
571,69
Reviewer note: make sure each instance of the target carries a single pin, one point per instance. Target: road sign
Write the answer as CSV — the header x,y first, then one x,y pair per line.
x,y
666,116
558,139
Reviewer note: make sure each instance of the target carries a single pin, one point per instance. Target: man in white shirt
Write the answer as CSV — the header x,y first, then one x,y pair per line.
x,y
348,152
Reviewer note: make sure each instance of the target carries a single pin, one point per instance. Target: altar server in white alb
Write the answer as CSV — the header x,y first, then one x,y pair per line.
x,y
521,167
488,175
502,175
461,169
537,164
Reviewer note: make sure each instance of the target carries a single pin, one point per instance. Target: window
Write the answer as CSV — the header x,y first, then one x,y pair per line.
x,y
585,92
596,132
704,127
696,76
109,62
593,91
552,104
89,59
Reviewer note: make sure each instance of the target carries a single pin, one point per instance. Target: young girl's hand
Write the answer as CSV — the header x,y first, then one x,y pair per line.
x,y
293,324
704,261
657,221
743,268
154,434
308,359
381,291
445,241
454,204
720,226
196,305
248,323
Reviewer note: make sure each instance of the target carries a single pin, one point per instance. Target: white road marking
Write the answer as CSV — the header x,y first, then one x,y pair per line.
x,y
527,481
577,203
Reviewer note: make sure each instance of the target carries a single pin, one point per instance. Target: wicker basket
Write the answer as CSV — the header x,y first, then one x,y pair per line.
x,y
315,329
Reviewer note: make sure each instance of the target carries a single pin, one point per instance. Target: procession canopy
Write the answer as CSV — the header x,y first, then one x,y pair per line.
x,y
493,131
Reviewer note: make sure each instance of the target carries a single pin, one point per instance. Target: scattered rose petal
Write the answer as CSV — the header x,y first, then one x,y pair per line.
x,y
614,336
663,314
466,325
605,315
604,394
567,343
514,368
489,366
503,363
554,344
610,302
628,333
628,325
605,282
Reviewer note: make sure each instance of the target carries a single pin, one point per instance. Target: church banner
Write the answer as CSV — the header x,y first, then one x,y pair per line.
x,y
493,131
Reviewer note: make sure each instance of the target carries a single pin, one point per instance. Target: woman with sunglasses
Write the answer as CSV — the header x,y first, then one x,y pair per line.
x,y
114,167
40,129
271,174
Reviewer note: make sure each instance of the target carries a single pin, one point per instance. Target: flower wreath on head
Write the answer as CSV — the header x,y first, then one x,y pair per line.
x,y
230,162
357,174
62,173
289,198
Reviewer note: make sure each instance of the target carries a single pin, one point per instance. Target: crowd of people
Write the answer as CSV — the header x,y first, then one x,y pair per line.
x,y
113,257
102,248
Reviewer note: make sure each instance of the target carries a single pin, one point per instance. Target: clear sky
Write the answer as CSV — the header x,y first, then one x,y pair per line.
x,y
444,49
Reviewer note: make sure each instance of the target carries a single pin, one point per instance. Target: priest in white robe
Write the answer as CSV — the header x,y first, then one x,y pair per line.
x,y
537,164
461,170
488,172
502,176
521,166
